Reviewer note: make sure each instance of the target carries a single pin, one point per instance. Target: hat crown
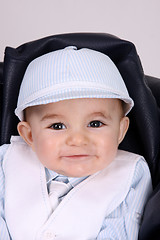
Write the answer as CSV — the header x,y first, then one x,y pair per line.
x,y
70,73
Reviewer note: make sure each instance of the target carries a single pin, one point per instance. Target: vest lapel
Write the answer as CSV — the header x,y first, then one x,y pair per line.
x,y
26,198
87,205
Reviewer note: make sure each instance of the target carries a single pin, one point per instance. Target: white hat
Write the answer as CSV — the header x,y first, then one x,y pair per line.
x,y
68,74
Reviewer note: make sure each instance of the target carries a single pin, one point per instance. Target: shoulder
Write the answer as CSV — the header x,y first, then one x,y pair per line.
x,y
133,163
141,182
3,150
6,148
125,155
133,158
141,175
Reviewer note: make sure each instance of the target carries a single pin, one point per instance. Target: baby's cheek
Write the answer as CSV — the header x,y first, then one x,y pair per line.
x,y
41,149
47,149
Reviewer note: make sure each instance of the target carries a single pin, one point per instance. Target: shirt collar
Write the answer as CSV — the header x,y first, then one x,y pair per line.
x,y
51,175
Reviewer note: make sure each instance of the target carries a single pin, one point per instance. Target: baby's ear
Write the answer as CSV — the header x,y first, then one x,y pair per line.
x,y
24,130
124,124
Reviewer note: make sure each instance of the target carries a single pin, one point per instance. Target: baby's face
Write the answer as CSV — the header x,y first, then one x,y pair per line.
x,y
75,137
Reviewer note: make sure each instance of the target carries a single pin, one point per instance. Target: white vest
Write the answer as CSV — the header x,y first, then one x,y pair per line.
x,y
81,213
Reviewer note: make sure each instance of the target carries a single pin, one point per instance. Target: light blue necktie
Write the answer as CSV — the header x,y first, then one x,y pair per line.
x,y
58,189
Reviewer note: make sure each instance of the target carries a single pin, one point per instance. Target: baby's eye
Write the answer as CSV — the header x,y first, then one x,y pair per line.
x,y
58,126
95,124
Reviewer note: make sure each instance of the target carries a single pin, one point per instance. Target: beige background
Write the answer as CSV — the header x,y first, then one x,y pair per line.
x,y
134,20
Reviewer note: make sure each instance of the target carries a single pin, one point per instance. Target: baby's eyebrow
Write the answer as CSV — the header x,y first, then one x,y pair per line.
x,y
50,116
101,114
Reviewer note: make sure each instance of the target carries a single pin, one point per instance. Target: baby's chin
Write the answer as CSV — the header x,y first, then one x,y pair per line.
x,y
75,173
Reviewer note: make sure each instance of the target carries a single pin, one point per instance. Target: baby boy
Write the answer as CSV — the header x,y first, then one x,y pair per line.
x,y
72,107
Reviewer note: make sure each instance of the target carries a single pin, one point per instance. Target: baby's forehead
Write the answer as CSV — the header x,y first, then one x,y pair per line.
x,y
86,106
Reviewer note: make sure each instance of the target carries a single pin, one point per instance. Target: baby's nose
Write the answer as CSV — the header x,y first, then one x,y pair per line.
x,y
77,138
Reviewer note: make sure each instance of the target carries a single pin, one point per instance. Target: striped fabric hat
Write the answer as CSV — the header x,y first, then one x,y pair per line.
x,y
68,74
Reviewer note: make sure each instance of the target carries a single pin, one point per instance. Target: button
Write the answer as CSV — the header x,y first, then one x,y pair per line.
x,y
49,235
138,217
71,48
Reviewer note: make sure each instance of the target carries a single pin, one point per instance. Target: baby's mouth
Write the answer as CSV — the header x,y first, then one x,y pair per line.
x,y
75,157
